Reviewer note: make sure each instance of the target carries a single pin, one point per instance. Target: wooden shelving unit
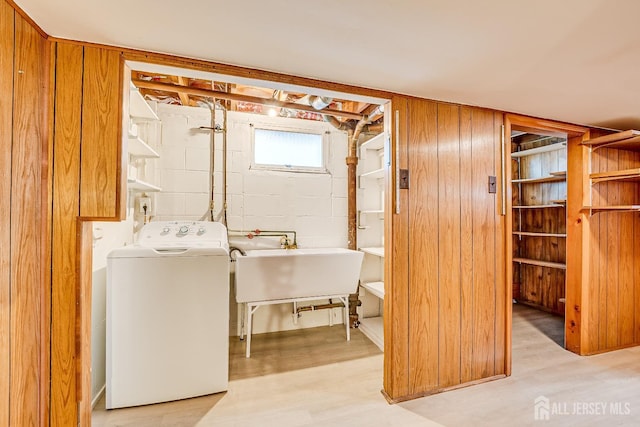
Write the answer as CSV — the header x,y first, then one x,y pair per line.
x,y
370,200
539,220
627,141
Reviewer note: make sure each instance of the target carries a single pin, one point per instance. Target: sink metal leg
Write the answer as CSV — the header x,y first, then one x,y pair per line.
x,y
250,310
345,301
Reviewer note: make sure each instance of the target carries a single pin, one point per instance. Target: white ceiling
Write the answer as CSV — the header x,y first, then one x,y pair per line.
x,y
571,60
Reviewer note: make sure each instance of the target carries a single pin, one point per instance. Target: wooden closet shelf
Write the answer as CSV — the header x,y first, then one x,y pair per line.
x,y
627,140
619,175
537,234
551,178
554,205
614,208
541,263
539,150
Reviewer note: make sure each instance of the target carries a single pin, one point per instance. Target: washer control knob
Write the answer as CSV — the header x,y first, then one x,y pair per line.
x,y
201,231
183,229
165,230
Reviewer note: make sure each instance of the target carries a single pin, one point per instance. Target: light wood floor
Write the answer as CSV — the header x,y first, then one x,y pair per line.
x,y
315,378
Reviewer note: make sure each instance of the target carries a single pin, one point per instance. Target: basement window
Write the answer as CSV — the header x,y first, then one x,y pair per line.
x,y
288,150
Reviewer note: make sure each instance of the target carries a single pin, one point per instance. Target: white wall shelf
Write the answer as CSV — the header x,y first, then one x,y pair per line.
x,y
376,251
142,186
373,328
370,202
138,148
375,143
374,174
375,288
138,107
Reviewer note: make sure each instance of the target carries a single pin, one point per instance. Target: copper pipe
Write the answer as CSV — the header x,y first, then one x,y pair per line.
x,y
168,87
319,307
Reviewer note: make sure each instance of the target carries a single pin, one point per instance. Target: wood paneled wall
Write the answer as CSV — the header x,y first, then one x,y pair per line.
x,y
446,297
612,285
6,136
87,185
24,238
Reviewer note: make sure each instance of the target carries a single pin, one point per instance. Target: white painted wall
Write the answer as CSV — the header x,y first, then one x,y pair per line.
x,y
106,237
314,205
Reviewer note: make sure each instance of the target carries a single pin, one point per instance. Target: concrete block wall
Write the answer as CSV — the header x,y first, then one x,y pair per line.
x,y
183,169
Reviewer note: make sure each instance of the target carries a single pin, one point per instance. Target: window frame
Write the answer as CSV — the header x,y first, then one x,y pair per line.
x,y
282,168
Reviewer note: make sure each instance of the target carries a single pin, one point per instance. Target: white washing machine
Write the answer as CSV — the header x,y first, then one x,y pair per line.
x,y
168,314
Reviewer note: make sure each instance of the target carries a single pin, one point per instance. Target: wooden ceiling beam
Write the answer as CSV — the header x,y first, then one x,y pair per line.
x,y
184,97
167,87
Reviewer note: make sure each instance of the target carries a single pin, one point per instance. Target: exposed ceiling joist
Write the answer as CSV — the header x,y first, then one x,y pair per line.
x,y
184,98
143,84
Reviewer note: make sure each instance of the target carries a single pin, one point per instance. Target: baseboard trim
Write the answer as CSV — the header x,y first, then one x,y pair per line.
x,y
400,399
96,399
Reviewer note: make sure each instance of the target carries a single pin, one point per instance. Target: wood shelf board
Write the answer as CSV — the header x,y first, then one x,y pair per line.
x,y
627,140
372,211
619,175
538,206
536,234
376,251
550,178
377,173
539,150
558,173
138,148
376,288
559,201
618,208
540,263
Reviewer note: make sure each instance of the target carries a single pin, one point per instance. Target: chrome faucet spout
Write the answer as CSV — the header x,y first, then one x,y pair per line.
x,y
233,249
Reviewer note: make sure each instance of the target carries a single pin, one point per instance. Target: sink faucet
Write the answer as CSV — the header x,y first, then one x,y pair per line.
x,y
233,249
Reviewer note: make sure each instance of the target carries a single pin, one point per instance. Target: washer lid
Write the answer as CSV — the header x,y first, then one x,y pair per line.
x,y
183,234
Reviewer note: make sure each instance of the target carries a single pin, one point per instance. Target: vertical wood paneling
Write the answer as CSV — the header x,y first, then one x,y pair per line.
x,y
449,204
100,179
68,102
396,274
611,309
466,246
625,260
484,246
84,255
502,288
28,222
6,137
577,258
613,255
423,247
636,276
